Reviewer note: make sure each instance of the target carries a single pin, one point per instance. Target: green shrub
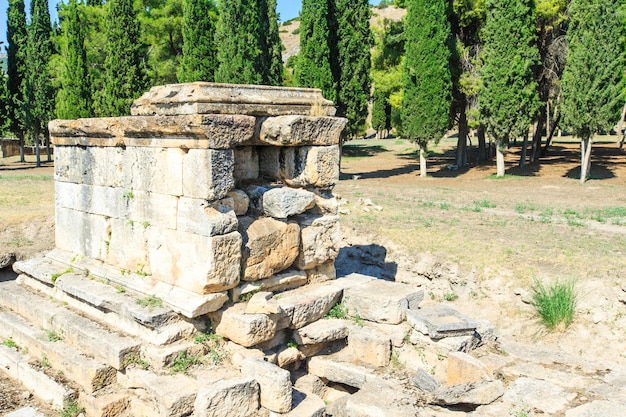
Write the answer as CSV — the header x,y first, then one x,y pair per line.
x,y
555,304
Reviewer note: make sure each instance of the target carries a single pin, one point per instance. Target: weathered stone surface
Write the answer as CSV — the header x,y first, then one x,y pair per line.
x,y
321,237
425,381
270,246
325,202
380,398
197,263
343,372
476,393
209,98
283,202
6,259
262,303
321,273
208,174
278,282
228,398
380,301
255,195
80,233
244,329
464,368
307,166
598,408
542,395
322,331
301,130
441,321
308,304
305,405
289,355
126,245
241,201
246,163
206,219
275,384
369,346
25,412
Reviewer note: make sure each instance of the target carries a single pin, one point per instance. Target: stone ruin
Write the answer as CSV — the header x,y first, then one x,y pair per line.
x,y
206,188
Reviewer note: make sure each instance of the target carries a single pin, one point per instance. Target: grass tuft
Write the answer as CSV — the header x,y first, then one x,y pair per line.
x,y
555,304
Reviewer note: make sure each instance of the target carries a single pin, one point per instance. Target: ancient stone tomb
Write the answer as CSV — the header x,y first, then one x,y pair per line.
x,y
204,188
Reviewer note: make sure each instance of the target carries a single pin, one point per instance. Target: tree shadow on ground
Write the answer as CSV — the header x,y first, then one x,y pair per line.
x,y
24,166
366,260
353,151
383,173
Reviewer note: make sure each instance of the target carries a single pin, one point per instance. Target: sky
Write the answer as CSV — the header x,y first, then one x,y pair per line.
x,y
287,9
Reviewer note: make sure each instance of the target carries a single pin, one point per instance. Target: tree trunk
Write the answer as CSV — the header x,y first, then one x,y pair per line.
x,y
461,145
500,158
585,165
48,151
482,144
422,160
620,129
37,151
522,159
544,151
548,120
21,139
538,132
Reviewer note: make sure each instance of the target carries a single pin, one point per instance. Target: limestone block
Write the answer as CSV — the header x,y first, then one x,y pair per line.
x,y
283,202
127,246
107,166
105,201
139,168
322,331
369,346
71,195
544,396
382,398
275,384
321,237
425,381
71,164
380,301
245,329
308,304
197,263
241,201
301,130
149,209
205,218
325,203
278,282
475,393
321,273
441,321
228,398
262,303
289,355
246,163
207,173
80,233
343,372
255,194
270,246
464,368
306,166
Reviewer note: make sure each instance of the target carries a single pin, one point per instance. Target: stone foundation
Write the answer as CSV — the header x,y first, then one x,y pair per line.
x,y
206,187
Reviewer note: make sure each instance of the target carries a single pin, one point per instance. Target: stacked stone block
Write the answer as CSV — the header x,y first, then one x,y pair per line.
x,y
235,199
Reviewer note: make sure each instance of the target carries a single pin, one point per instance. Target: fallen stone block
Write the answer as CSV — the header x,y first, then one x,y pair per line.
x,y
105,405
307,304
464,368
425,381
380,398
369,346
380,301
305,405
278,282
228,398
472,393
598,408
338,371
262,303
283,202
289,355
321,273
244,329
541,395
322,331
274,382
441,321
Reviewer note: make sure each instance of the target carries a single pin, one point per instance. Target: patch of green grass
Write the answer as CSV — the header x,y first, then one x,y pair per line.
x,y
522,208
183,362
9,343
56,276
53,336
555,304
71,408
339,311
135,358
26,177
45,363
451,296
292,344
244,298
120,289
485,204
444,206
150,301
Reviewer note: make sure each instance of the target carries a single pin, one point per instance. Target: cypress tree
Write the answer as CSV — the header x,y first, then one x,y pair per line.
x,y
509,99
354,39
427,80
199,52
239,54
593,77
271,46
314,66
381,112
74,98
124,78
38,98
17,38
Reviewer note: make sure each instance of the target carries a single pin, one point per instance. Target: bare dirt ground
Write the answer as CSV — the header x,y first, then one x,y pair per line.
x,y
492,238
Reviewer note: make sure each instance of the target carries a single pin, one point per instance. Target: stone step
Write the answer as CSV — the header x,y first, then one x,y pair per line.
x,y
84,334
90,374
110,402
16,366
115,306
188,304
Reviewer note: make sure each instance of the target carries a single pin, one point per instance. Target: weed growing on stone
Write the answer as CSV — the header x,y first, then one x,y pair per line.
x,y
244,298
339,311
56,276
134,358
71,409
45,363
555,304
53,336
183,362
292,343
150,302
9,343
120,289
451,296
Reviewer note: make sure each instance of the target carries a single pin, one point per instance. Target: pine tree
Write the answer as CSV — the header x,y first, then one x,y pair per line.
x,y
508,99
74,98
38,97
593,79
124,78
17,38
271,46
199,52
239,54
314,66
354,39
427,79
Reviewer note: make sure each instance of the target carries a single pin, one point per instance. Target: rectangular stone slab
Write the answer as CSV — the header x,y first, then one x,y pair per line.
x,y
205,98
441,321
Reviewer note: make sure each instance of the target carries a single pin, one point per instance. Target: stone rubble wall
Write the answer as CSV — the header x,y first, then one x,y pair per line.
x,y
204,202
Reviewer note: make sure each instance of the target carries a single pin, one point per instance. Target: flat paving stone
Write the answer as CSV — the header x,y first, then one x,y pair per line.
x,y
441,321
